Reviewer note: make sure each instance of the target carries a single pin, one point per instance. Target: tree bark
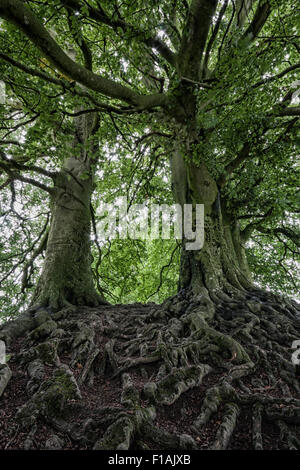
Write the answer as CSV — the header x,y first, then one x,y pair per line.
x,y
67,275
220,266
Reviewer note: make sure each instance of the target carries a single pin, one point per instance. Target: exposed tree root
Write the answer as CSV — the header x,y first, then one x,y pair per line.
x,y
231,412
256,426
100,377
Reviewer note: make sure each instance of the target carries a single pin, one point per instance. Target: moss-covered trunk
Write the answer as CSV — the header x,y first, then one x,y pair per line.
x,y
66,275
220,266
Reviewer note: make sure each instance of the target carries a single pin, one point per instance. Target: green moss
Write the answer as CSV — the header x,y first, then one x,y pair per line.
x,y
177,382
51,397
44,330
47,352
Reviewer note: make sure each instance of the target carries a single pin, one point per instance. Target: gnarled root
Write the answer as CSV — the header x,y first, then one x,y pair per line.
x,y
211,366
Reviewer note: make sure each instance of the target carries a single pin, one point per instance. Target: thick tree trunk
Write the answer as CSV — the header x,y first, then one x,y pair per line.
x,y
220,267
67,276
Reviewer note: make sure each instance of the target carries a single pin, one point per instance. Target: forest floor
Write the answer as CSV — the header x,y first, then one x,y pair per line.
x,y
99,371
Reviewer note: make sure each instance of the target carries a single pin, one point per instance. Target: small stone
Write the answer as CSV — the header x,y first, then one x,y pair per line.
x,y
54,443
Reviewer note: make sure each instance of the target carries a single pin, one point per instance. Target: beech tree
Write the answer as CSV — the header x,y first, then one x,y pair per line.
x,y
198,102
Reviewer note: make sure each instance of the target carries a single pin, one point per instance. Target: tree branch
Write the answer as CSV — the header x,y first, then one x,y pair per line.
x,y
99,15
246,233
287,232
214,34
16,12
260,17
31,71
100,106
6,183
194,37
75,30
244,152
43,238
13,175
292,111
16,165
228,170
32,182
278,75
242,9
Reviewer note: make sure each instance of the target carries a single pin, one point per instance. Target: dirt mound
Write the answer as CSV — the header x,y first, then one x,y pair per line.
x,y
175,376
